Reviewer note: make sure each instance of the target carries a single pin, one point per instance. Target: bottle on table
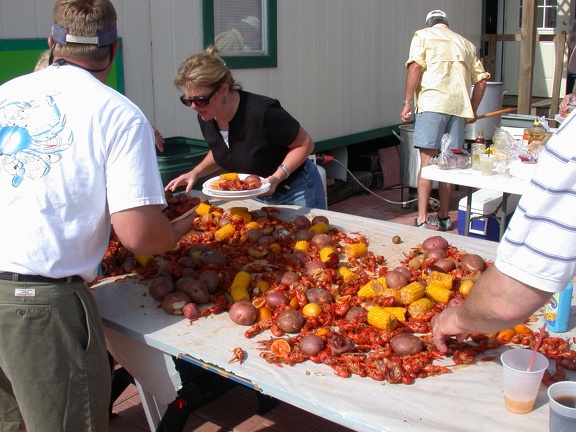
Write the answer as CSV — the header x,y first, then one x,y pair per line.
x,y
480,138
534,136
478,148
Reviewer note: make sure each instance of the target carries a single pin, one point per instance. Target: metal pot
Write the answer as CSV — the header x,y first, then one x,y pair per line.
x,y
492,101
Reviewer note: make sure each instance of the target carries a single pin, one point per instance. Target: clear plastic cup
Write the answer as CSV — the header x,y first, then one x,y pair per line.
x,y
486,164
562,400
477,150
521,387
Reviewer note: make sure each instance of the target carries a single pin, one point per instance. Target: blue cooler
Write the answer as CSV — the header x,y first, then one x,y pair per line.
x,y
485,213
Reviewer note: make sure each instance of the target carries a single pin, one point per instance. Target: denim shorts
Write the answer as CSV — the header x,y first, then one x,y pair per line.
x,y
54,368
429,128
306,190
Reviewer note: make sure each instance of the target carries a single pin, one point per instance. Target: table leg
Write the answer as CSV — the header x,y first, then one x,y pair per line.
x,y
468,211
503,215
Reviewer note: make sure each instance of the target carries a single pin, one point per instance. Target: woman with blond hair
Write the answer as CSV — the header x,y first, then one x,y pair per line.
x,y
247,133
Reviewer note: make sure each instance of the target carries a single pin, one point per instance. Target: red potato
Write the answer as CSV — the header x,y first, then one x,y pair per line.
x,y
319,295
288,278
311,344
254,235
321,239
304,234
473,263
191,311
314,267
129,264
187,261
435,242
188,272
224,221
174,302
213,257
405,271
320,218
446,264
161,287
254,180
436,254
196,290
406,344
210,278
356,311
302,222
181,282
290,321
243,313
396,280
275,299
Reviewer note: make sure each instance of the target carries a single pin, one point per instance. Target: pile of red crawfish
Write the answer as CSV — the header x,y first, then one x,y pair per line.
x,y
351,345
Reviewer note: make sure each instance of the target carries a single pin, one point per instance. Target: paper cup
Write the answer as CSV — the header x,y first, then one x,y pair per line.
x,y
486,164
562,397
521,387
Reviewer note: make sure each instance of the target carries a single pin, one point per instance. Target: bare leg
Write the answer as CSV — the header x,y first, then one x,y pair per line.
x,y
444,193
424,185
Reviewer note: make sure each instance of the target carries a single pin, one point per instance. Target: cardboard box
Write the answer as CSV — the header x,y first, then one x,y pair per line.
x,y
485,213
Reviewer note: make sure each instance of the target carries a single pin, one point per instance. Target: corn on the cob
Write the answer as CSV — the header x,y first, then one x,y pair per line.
x,y
356,250
319,228
145,260
391,292
262,285
373,288
411,292
236,210
382,319
441,279
229,176
420,307
224,233
466,287
398,312
438,292
252,225
301,246
325,253
346,274
244,215
203,208
240,285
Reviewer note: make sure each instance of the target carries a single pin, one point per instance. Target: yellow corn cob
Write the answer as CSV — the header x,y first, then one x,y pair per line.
x,y
244,215
411,292
438,292
382,319
229,176
441,279
356,250
325,253
301,246
217,213
373,288
346,274
203,208
275,247
224,233
236,210
398,312
391,292
145,260
252,225
262,285
240,285
466,286
319,228
420,307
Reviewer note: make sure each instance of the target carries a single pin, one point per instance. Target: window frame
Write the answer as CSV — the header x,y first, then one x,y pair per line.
x,y
543,12
269,60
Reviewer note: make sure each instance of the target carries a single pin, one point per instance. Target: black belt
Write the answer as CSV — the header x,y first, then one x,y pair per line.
x,y
15,277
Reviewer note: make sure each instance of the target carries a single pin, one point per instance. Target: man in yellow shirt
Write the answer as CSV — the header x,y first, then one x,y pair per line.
x,y
441,68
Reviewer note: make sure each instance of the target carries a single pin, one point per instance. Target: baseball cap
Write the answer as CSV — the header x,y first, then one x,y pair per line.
x,y
252,21
436,13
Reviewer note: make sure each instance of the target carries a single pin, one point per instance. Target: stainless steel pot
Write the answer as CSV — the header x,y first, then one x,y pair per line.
x,y
492,101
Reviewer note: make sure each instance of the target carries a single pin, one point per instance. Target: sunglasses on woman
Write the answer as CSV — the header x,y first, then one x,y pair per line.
x,y
199,101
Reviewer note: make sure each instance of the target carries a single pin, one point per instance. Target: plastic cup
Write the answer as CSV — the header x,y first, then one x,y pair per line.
x,y
562,397
521,387
477,150
486,164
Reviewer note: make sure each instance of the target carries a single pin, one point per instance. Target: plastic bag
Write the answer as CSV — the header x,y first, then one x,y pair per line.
x,y
450,158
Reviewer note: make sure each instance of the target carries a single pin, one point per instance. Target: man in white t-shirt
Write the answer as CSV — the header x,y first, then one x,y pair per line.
x,y
75,156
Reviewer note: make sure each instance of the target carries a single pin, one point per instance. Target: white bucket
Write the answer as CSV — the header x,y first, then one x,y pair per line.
x,y
492,101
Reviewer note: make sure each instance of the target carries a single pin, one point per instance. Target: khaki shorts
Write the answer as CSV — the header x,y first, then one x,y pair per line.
x,y
54,369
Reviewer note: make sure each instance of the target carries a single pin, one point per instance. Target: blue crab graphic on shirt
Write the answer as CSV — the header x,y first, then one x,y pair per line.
x,y
31,138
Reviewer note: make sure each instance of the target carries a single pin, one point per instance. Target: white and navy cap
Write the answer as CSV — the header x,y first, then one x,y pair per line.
x,y
103,37
436,13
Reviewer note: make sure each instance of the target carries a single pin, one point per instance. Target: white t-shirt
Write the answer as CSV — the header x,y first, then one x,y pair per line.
x,y
72,152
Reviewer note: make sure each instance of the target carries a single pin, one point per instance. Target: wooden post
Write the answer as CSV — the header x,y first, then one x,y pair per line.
x,y
527,45
559,46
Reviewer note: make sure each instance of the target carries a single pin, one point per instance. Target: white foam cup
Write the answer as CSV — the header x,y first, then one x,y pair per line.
x,y
562,416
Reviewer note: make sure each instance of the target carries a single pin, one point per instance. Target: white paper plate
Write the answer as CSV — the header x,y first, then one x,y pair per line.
x,y
206,189
230,197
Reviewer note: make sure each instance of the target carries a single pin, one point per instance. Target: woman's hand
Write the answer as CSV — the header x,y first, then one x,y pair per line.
x,y
187,179
274,182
